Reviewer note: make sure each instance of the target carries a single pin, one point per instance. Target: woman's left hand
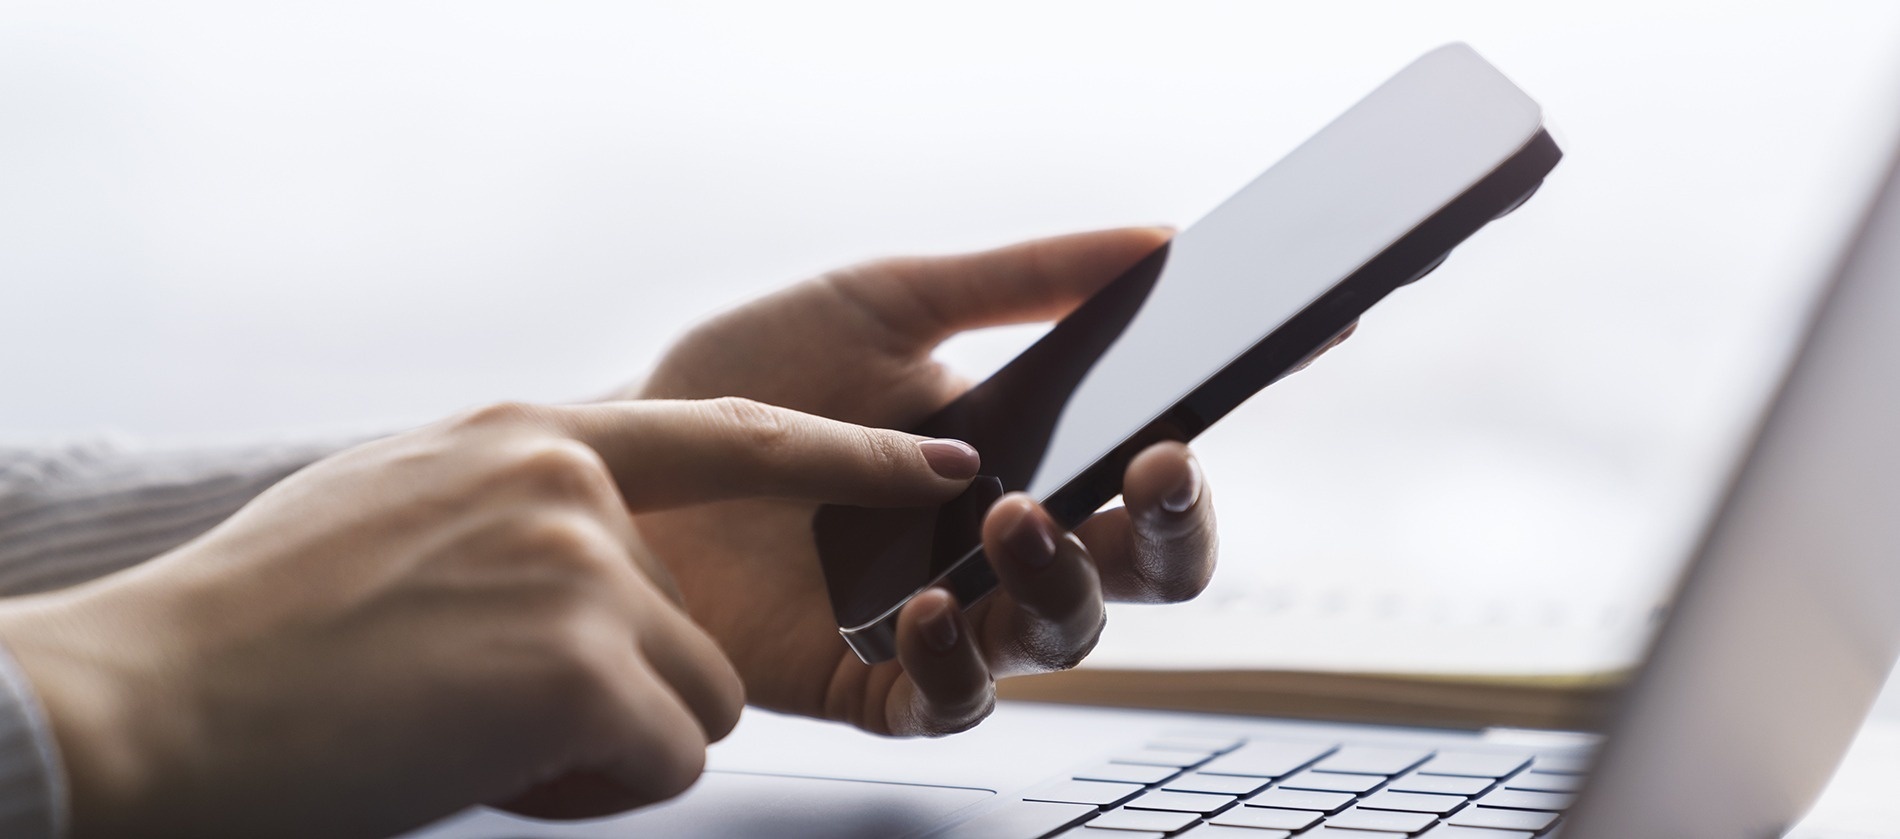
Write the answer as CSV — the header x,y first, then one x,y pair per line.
x,y
856,345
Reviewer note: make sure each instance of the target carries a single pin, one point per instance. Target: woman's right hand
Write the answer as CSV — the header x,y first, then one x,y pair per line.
x,y
457,615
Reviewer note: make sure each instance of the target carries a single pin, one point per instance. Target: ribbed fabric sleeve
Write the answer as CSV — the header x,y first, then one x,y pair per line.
x,y
72,512
32,785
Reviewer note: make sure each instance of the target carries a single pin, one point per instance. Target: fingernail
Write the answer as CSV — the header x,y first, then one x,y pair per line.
x,y
953,459
1184,494
940,629
1029,539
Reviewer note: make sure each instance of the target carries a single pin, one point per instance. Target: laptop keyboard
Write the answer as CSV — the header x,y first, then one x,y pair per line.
x,y
1218,787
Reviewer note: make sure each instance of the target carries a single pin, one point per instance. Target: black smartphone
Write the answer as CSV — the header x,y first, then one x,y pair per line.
x,y
1372,202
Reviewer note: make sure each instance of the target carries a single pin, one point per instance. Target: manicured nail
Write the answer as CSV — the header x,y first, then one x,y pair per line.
x,y
1030,539
940,628
1184,494
953,459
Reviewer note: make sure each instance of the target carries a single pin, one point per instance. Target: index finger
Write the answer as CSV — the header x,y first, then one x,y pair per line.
x,y
673,453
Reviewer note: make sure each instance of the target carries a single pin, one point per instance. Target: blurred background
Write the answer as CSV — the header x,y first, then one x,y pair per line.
x,y
233,222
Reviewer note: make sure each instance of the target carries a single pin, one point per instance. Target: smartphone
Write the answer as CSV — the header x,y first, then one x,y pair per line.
x,y
1372,202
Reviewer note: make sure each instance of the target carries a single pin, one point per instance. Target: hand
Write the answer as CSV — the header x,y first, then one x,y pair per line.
x,y
452,616
856,345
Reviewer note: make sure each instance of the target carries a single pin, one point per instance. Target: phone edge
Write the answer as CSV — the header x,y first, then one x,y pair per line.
x,y
1265,362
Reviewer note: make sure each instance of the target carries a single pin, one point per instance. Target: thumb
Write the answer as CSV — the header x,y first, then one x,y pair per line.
x,y
924,300
672,453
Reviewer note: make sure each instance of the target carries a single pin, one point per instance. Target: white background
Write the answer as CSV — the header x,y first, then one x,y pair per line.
x,y
238,221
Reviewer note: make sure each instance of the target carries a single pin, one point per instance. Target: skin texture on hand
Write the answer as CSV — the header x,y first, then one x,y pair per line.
x,y
556,609
856,345
457,615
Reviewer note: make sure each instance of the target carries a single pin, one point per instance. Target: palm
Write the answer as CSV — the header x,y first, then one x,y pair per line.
x,y
748,569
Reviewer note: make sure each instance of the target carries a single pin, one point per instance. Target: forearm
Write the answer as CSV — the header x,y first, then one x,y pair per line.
x,y
69,513
32,791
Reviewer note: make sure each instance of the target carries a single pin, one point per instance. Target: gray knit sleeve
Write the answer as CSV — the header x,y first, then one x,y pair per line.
x,y
72,512
32,785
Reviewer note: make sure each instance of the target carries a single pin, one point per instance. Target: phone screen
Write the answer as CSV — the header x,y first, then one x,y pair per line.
x,y
1182,315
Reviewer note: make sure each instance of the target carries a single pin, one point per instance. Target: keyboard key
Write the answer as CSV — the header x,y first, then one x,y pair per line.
x,y
1452,831
1372,760
1299,799
1161,757
1413,802
1346,833
1359,818
1332,781
1209,743
1545,782
1157,820
1266,817
1474,764
1441,784
1517,799
1219,784
1127,773
1221,831
1020,818
1086,832
1098,793
1566,764
1267,759
1180,802
1503,819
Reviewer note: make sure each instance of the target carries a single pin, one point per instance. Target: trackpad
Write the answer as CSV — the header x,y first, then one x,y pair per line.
x,y
787,807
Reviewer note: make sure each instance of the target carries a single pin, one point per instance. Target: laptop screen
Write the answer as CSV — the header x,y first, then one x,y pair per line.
x,y
1788,620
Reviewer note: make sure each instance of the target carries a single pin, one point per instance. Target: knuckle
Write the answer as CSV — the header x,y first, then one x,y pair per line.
x,y
499,414
877,267
755,423
570,541
561,468
886,452
578,658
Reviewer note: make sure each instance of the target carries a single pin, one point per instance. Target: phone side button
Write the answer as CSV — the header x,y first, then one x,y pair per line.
x,y
1519,202
1427,270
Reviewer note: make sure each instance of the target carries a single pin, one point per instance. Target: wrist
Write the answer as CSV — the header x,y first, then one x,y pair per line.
x,y
32,781
94,682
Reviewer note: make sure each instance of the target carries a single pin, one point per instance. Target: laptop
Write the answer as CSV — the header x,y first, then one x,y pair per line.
x,y
1783,630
